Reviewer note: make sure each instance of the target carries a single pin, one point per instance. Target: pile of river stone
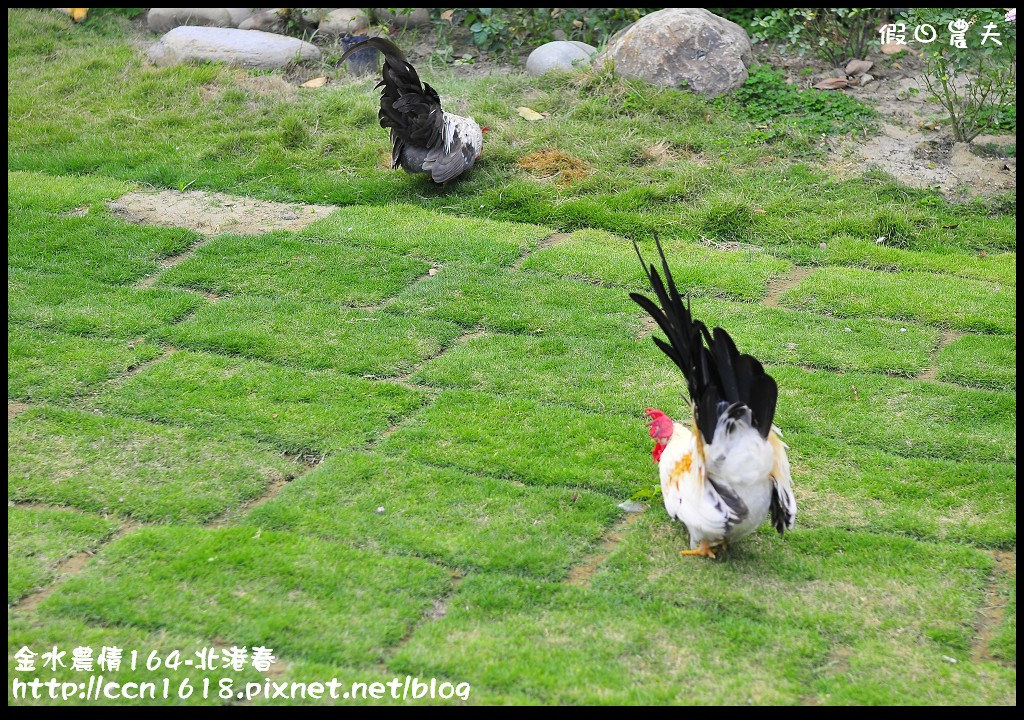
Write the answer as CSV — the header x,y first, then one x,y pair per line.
x,y
687,48
253,37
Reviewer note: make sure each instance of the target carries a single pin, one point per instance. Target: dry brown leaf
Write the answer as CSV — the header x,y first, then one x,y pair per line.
x,y
858,67
832,84
529,114
315,82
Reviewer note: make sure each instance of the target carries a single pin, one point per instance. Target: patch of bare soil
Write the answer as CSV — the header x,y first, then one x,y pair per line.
x,y
66,568
14,409
922,158
265,87
212,213
647,327
785,282
913,145
991,613
550,241
71,566
584,572
917,149
931,373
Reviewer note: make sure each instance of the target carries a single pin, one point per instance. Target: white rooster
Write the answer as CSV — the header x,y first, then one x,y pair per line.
x,y
425,138
724,475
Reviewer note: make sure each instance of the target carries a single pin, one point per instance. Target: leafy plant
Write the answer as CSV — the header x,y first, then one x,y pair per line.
x,y
593,25
976,85
491,33
834,34
110,21
766,97
507,30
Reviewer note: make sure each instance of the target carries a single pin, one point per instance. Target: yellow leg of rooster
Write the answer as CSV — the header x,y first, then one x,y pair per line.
x,y
77,14
702,550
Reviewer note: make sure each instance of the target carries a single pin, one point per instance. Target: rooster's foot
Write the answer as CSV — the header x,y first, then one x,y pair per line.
x,y
702,550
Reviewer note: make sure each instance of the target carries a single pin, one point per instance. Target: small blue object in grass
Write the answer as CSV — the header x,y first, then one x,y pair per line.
x,y
362,61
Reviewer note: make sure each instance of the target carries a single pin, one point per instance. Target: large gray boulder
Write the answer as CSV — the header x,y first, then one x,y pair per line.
x,y
344,21
404,17
239,15
683,47
313,16
248,48
268,20
559,55
163,19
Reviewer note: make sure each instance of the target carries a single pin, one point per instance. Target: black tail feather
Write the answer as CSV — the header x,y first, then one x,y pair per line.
x,y
411,109
781,515
717,376
387,47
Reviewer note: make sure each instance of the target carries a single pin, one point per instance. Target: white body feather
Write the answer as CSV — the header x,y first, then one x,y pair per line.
x,y
740,462
468,129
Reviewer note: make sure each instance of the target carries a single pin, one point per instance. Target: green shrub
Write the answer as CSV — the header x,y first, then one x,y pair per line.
x,y
507,30
987,100
835,34
766,98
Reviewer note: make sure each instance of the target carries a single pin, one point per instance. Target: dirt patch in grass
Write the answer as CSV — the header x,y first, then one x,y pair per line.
x,y
994,608
14,409
440,607
914,144
556,164
465,337
664,153
143,366
271,87
550,241
780,285
931,373
647,327
67,568
213,213
927,160
71,566
584,572
277,484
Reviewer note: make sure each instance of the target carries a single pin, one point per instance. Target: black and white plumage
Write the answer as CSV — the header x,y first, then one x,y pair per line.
x,y
729,471
425,138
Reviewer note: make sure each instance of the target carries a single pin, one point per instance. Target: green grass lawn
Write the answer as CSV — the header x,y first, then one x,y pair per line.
x,y
394,443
